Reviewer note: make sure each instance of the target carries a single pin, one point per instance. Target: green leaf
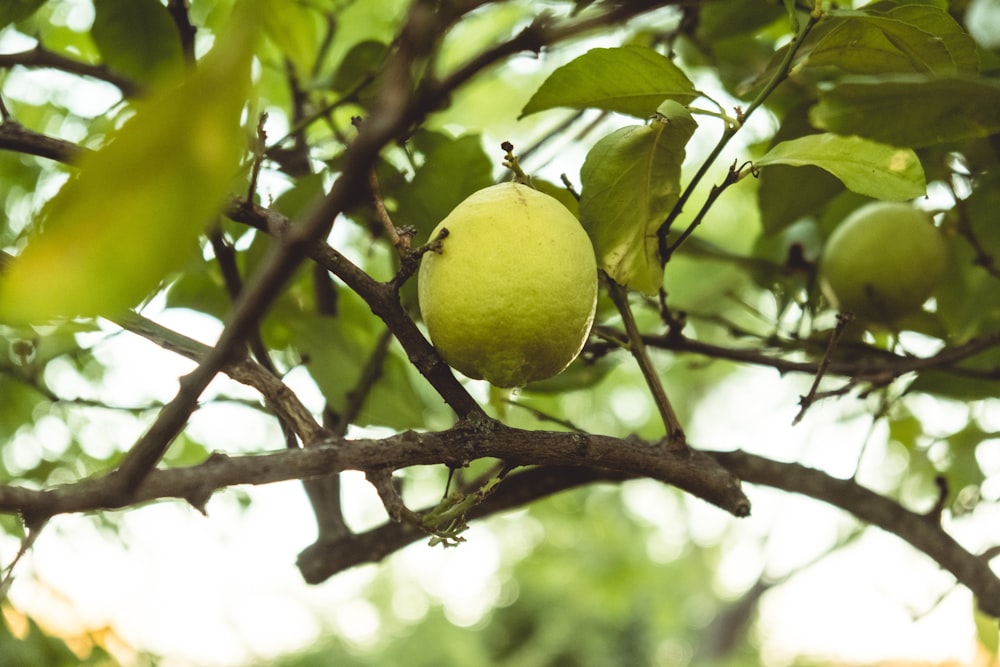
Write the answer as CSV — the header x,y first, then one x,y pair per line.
x,y
987,632
812,187
632,80
788,194
958,386
362,63
133,212
863,166
867,44
12,11
137,38
631,181
911,110
339,349
292,28
938,22
793,16
453,169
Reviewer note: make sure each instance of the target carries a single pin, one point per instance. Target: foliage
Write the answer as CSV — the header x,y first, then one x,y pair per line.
x,y
277,168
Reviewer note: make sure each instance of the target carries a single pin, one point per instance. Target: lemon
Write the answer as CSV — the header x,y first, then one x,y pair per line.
x,y
510,297
883,261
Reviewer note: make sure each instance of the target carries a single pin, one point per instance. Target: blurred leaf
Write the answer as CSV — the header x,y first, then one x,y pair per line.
x,y
201,288
17,407
631,181
875,44
787,194
987,632
960,386
559,192
395,401
337,351
632,80
133,212
453,169
863,166
736,18
911,110
582,374
12,11
968,302
33,646
292,27
793,16
362,63
137,38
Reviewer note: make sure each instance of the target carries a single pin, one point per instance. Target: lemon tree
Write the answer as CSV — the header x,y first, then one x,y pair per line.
x,y
261,189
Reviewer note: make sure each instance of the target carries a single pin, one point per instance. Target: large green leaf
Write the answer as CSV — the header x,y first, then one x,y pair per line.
x,y
939,22
137,38
863,166
134,210
632,80
911,110
631,181
906,39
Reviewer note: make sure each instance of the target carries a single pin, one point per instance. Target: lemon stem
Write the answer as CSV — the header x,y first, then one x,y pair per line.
x,y
511,162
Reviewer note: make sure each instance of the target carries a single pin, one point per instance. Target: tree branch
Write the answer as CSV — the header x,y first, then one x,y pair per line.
x,y
16,137
566,460
695,472
42,58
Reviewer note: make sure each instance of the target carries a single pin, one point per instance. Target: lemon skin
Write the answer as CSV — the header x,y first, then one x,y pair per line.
x,y
883,262
511,295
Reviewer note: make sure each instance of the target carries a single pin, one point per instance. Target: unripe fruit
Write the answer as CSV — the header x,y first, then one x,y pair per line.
x,y
883,262
510,297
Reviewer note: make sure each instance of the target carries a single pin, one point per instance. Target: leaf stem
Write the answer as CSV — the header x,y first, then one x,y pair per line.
x,y
732,128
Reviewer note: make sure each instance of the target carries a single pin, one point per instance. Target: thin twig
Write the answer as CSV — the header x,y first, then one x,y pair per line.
x,y
733,176
258,156
42,58
675,432
843,319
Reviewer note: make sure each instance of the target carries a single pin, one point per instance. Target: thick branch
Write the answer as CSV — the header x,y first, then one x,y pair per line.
x,y
695,472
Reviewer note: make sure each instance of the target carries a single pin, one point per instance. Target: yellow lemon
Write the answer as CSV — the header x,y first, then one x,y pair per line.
x,y
883,261
510,297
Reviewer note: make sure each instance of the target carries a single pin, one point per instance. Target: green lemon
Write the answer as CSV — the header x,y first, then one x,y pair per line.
x,y
883,261
510,297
